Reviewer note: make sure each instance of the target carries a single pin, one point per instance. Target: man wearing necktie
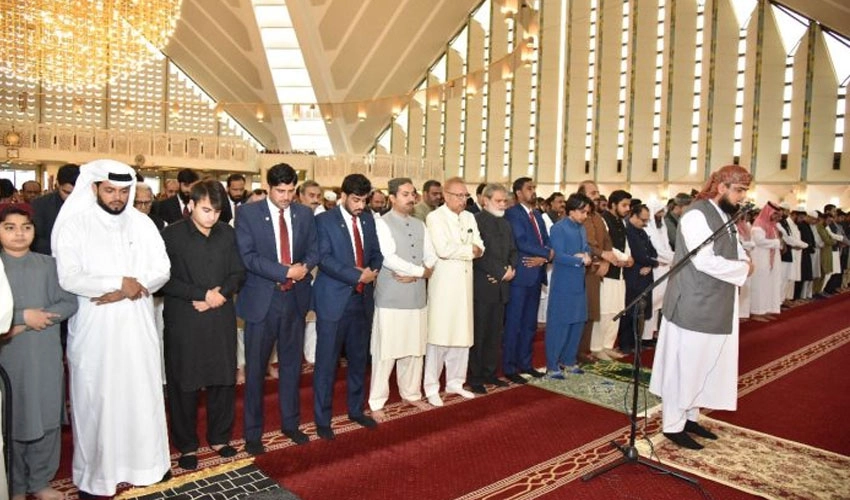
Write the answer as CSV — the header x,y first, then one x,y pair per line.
x,y
278,245
350,257
532,242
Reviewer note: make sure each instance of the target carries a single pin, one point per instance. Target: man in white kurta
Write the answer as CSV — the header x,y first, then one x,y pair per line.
x,y
790,234
657,231
693,368
454,234
111,256
400,324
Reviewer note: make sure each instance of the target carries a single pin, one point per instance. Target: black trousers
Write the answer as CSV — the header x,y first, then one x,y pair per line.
x,y
183,406
484,355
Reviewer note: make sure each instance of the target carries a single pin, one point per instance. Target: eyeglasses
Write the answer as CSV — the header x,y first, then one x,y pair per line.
x,y
462,196
143,203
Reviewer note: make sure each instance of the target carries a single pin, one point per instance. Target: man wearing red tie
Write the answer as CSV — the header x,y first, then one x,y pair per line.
x,y
278,245
350,257
532,242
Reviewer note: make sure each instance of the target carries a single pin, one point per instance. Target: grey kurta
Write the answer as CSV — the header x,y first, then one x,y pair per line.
x,y
33,358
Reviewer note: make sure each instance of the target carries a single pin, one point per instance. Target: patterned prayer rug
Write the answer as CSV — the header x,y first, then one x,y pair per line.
x,y
758,463
618,371
239,479
611,393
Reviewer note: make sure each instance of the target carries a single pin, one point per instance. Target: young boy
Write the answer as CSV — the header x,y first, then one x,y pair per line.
x,y
31,353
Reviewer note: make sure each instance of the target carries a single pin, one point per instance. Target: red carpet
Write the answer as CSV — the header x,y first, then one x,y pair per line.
x,y
808,406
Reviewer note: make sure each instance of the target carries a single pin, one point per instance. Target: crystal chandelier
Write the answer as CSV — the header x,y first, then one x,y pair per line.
x,y
77,43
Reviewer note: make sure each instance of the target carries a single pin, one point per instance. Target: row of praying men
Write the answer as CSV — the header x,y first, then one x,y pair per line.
x,y
459,292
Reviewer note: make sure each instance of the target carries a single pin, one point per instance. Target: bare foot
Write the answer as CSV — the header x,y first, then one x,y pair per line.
x,y
19,497
379,415
49,494
240,376
422,405
273,372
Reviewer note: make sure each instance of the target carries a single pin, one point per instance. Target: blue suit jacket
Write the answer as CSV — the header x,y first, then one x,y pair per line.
x,y
528,245
338,276
258,249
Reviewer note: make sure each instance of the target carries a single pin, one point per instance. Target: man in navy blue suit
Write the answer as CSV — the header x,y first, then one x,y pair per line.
x,y
278,245
350,258
532,242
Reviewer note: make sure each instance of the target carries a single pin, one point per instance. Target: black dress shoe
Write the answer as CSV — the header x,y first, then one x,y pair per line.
x,y
695,428
188,462
296,436
682,439
364,420
254,448
325,433
166,477
534,373
85,496
477,388
497,382
516,378
226,451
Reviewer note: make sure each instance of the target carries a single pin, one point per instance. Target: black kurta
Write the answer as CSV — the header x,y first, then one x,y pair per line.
x,y
200,347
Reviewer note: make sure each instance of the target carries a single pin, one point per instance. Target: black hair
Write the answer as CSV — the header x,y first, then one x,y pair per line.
x,y
617,196
187,176
282,173
480,188
356,184
638,208
235,177
577,201
8,209
210,189
519,183
429,184
7,189
67,174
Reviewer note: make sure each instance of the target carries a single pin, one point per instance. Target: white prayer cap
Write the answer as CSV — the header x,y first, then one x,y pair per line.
x,y
812,213
330,196
83,197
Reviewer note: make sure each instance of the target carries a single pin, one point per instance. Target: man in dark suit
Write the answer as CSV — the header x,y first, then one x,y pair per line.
x,y
177,208
350,257
278,245
492,275
235,195
639,276
532,242
46,208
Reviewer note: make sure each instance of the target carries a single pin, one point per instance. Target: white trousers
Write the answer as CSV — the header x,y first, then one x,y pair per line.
x,y
604,334
454,358
310,341
673,418
408,373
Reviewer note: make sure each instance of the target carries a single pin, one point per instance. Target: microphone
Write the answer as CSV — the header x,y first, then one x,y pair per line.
x,y
747,207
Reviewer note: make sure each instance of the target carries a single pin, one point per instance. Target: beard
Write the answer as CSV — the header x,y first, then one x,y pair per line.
x,y
184,197
727,206
109,210
496,212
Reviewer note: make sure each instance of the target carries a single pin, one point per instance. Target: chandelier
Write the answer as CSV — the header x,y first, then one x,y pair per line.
x,y
80,43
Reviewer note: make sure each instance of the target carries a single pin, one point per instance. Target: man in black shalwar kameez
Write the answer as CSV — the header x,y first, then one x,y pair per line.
x,y
200,323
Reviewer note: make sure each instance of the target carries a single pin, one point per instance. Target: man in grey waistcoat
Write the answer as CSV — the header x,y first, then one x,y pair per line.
x,y
400,324
696,359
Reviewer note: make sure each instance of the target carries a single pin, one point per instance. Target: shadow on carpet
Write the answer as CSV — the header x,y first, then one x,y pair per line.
x,y
618,371
610,393
241,479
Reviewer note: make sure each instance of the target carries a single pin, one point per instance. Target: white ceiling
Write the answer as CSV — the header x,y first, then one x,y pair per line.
x,y
355,50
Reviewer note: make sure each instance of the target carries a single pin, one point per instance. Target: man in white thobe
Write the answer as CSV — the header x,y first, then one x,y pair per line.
x,y
111,256
696,360
790,234
400,324
457,242
657,231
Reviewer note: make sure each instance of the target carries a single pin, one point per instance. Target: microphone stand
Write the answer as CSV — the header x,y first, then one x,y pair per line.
x,y
629,451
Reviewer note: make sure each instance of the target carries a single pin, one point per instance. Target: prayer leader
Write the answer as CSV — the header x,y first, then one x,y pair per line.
x,y
696,359
112,257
